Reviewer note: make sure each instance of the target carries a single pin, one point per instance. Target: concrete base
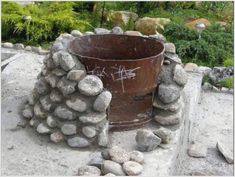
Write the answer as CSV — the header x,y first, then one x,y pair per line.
x,y
24,152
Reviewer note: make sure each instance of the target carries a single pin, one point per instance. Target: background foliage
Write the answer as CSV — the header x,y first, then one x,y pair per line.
x,y
49,19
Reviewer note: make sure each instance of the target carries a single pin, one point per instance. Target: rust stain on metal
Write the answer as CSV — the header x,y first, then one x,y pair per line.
x,y
129,67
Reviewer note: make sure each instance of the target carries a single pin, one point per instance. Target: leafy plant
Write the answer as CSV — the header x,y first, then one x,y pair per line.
x,y
212,49
228,62
228,83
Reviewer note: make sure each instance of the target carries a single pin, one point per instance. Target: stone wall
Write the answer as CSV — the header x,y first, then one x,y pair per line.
x,y
66,103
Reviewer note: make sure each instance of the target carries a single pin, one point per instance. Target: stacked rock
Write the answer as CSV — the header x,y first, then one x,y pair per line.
x,y
168,102
66,103
115,161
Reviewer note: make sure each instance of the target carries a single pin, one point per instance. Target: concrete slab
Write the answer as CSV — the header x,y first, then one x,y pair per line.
x,y
24,152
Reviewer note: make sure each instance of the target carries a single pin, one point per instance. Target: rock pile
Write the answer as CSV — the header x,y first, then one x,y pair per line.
x,y
147,140
115,161
168,103
66,103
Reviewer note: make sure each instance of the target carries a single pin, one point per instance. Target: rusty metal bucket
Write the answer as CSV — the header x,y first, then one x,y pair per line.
x,y
129,67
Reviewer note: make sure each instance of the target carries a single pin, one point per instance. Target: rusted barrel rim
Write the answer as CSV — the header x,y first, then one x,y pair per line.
x,y
121,35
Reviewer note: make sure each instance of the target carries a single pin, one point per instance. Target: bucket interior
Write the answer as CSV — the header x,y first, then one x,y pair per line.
x,y
116,47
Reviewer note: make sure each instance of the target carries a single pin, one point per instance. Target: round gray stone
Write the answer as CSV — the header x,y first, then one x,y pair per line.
x,y
79,142
89,131
28,112
76,75
43,129
7,45
112,167
101,31
56,96
66,61
163,133
69,129
102,101
137,156
66,86
146,140
64,113
51,122
132,168
92,117
77,104
117,30
58,72
76,33
46,103
180,75
119,154
90,85
89,171
168,93
52,80
41,86
169,47
39,112
57,137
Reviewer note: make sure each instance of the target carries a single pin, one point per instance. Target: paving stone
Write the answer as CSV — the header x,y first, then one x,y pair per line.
x,y
146,140
132,168
89,171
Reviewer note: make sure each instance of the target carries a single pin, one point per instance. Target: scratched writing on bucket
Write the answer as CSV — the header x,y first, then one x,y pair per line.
x,y
118,73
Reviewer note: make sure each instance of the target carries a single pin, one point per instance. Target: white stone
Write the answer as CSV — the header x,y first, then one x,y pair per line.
x,y
43,129
102,101
132,168
89,131
77,104
223,149
92,117
137,156
180,76
112,167
119,154
197,150
89,171
90,85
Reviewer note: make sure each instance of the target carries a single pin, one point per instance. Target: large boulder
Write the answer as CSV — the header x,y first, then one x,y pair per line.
x,y
122,18
150,26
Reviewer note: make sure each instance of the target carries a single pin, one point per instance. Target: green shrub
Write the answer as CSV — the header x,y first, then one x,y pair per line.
x,y
212,49
49,19
228,62
228,83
